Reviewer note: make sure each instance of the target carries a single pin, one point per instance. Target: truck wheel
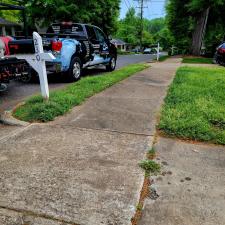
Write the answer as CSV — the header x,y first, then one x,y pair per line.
x,y
75,69
28,76
3,87
112,64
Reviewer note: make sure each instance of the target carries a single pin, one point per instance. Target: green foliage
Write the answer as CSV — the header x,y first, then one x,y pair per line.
x,y
61,101
194,108
182,16
197,60
151,153
139,207
150,166
163,58
101,13
127,28
11,15
154,30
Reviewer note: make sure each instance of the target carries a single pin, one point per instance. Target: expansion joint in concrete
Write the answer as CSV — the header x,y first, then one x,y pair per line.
x,y
115,131
38,215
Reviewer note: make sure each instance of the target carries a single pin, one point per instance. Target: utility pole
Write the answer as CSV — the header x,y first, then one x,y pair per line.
x,y
142,25
141,7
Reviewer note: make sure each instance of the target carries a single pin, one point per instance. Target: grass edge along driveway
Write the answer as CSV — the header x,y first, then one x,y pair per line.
x,y
61,101
194,107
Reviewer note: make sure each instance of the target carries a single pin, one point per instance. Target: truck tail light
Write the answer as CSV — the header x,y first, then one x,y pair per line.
x,y
67,23
13,49
56,46
221,50
16,47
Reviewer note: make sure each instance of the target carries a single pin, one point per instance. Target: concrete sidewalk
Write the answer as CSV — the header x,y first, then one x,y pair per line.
x,y
83,168
191,188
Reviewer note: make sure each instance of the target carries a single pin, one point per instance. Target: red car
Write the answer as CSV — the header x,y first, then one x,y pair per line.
x,y
220,55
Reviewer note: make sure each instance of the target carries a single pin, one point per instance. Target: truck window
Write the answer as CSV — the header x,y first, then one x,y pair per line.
x,y
66,28
91,33
100,35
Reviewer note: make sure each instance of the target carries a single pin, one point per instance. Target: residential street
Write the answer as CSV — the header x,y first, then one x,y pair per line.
x,y
83,167
18,91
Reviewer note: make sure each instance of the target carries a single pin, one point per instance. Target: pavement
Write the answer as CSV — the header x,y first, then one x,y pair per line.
x,y
18,91
82,169
191,188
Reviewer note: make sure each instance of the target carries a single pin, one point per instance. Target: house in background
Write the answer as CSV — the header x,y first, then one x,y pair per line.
x,y
121,45
8,28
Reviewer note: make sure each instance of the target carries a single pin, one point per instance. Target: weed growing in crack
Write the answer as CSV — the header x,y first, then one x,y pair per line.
x,y
151,153
150,167
139,207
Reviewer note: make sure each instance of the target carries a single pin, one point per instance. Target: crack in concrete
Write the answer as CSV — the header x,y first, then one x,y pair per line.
x,y
38,215
14,133
110,131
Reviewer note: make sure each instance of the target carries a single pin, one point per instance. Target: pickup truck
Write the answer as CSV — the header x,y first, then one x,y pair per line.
x,y
75,46
10,68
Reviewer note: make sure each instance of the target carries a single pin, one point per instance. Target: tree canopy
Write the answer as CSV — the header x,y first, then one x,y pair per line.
x,y
44,12
12,15
183,18
99,12
154,30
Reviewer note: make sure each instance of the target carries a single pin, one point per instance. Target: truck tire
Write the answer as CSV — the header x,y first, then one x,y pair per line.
x,y
29,76
3,87
112,64
75,70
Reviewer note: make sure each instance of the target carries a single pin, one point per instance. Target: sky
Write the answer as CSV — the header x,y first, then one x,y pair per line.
x,y
155,8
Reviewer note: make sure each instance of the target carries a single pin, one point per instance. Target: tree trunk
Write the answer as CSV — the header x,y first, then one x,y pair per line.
x,y
199,32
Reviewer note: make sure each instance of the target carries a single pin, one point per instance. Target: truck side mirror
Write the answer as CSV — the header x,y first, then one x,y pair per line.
x,y
110,38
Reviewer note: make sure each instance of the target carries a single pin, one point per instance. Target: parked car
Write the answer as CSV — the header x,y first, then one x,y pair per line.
x,y
147,51
150,51
136,50
75,46
220,55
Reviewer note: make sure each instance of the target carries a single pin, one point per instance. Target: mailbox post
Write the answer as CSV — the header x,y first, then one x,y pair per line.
x,y
37,61
158,52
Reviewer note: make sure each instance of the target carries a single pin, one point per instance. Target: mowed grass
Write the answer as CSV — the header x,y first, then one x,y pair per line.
x,y
61,101
197,60
163,58
195,105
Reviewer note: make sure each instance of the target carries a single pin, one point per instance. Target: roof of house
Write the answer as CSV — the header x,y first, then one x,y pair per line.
x,y
118,42
7,23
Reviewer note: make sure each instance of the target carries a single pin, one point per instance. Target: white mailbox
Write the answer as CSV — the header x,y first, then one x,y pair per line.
x,y
37,61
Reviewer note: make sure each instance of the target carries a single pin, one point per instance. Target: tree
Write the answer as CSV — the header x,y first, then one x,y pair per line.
x,y
99,12
11,15
127,28
152,33
196,21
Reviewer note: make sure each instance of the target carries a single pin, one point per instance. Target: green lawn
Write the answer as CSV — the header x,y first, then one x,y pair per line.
x,y
163,58
195,105
61,101
197,60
